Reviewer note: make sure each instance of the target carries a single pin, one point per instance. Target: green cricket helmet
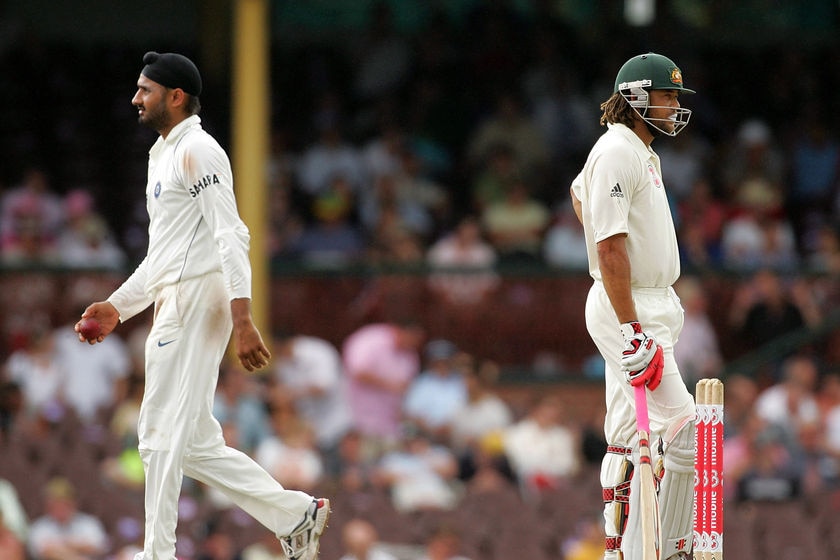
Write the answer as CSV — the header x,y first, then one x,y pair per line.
x,y
647,72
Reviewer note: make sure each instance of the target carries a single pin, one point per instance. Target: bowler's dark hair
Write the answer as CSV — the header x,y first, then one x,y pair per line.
x,y
193,105
616,109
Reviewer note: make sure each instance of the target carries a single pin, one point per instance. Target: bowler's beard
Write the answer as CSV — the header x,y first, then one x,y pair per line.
x,y
156,119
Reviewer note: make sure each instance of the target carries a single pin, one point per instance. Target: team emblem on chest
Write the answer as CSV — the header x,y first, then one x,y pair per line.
x,y
157,189
654,176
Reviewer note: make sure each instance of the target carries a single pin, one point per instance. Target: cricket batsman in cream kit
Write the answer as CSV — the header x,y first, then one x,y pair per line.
x,y
632,312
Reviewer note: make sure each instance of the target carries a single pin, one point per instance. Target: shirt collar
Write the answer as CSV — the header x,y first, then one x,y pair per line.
x,y
175,134
179,129
631,137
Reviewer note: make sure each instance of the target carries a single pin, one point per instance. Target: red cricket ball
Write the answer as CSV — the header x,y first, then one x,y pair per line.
x,y
90,329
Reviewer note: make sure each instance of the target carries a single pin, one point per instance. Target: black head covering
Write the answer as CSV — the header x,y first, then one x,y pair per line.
x,y
172,70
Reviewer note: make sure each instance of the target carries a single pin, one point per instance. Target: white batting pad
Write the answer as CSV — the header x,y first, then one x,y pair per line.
x,y
676,491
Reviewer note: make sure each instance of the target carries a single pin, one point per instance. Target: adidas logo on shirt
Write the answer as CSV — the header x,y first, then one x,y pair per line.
x,y
616,192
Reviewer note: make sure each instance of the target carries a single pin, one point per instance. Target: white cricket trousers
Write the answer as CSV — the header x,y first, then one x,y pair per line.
x,y
670,405
177,431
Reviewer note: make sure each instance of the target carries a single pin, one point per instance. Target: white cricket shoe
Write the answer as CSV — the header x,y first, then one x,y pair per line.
x,y
303,542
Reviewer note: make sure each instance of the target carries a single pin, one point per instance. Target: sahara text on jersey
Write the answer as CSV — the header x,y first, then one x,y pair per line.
x,y
203,183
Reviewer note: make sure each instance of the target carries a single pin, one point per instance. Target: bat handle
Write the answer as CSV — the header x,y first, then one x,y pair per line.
x,y
642,418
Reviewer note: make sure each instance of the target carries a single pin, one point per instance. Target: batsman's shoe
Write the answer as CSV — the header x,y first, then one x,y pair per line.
x,y
303,542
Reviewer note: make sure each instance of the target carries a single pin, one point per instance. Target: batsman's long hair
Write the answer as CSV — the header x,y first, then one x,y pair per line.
x,y
617,110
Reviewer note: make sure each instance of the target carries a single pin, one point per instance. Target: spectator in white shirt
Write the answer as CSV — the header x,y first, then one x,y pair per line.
x,y
464,248
309,372
541,449
94,379
63,532
791,404
36,368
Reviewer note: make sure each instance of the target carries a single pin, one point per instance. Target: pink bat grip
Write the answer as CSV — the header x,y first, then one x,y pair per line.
x,y
642,419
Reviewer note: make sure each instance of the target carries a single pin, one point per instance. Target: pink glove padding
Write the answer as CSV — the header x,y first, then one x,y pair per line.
x,y
651,375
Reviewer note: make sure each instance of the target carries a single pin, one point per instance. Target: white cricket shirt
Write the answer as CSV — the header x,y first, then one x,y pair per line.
x,y
194,224
621,191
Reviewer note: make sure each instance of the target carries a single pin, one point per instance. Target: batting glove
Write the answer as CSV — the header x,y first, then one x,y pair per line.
x,y
651,375
639,351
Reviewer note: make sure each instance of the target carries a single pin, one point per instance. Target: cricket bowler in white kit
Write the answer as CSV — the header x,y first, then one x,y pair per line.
x,y
632,313
198,276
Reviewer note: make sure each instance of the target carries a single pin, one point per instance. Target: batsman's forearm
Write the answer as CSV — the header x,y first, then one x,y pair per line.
x,y
615,274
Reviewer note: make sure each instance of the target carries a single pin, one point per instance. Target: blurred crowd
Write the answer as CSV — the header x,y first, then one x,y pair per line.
x,y
414,438
390,413
450,147
452,144
42,227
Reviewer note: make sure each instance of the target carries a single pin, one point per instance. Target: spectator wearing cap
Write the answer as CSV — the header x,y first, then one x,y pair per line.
x,y
440,391
64,532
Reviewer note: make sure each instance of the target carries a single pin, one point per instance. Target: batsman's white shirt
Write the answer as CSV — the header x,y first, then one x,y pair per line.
x,y
621,191
194,225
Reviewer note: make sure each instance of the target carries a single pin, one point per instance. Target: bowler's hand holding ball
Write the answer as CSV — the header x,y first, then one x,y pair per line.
x,y
89,329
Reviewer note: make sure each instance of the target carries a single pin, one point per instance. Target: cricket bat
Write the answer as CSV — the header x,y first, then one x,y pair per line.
x,y
648,500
